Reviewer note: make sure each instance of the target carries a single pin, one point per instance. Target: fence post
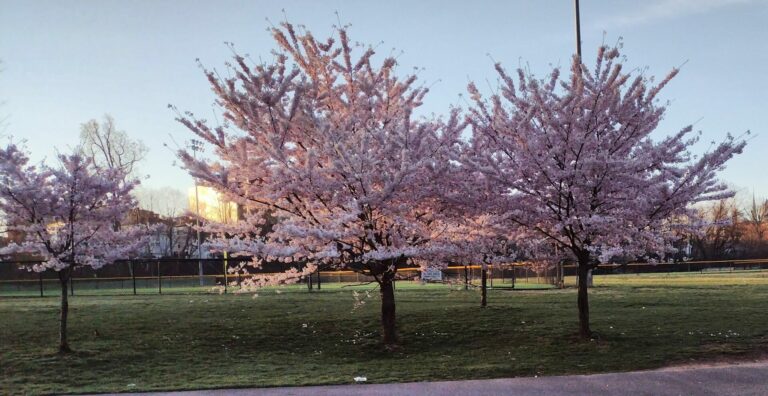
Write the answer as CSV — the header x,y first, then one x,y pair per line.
x,y
561,271
226,255
466,278
491,275
41,283
159,279
133,277
514,275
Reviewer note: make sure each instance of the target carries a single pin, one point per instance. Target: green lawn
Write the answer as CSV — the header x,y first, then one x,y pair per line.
x,y
185,285
292,337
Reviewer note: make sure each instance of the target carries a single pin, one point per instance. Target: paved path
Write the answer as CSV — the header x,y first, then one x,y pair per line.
x,y
735,379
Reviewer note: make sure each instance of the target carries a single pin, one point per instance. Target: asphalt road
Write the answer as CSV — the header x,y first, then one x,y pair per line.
x,y
733,379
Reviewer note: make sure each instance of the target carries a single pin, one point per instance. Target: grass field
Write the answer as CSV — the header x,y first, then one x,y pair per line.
x,y
292,337
173,286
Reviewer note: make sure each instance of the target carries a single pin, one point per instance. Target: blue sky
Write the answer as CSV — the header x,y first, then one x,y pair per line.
x,y
64,63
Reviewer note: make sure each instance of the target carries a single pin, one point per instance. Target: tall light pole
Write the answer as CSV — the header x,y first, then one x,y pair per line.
x,y
578,53
578,29
195,146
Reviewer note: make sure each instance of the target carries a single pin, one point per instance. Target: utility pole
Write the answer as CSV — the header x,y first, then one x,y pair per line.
x,y
196,145
578,53
578,29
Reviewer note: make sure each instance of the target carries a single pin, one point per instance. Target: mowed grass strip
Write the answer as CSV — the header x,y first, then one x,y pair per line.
x,y
171,342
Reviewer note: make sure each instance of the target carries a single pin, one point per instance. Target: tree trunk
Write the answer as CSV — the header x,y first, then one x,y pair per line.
x,y
64,276
484,287
583,301
388,309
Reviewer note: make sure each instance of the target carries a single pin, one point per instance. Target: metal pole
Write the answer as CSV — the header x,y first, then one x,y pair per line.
x,y
226,255
196,146
578,53
560,275
578,30
199,246
133,278
490,276
159,279
514,275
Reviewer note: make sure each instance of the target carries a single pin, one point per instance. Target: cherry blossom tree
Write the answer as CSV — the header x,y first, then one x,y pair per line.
x,y
472,240
325,139
66,215
474,231
574,162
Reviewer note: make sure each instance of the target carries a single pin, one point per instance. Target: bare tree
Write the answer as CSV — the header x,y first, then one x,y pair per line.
x,y
110,147
722,235
165,201
170,206
757,217
227,210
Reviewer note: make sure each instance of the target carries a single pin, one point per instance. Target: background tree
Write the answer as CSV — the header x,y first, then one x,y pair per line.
x,y
65,216
325,140
109,147
472,240
573,161
757,218
177,222
720,233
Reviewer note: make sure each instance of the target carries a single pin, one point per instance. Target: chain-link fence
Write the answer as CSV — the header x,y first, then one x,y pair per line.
x,y
157,276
